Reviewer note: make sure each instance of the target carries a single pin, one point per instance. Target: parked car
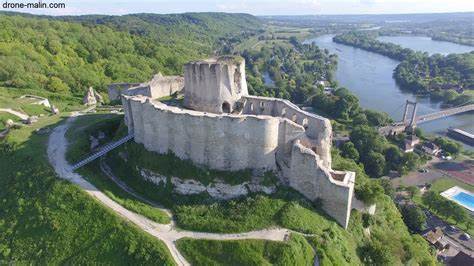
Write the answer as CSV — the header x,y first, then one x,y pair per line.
x,y
465,236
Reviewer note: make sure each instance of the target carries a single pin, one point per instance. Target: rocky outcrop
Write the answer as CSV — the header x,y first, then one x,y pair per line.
x,y
217,190
92,97
54,110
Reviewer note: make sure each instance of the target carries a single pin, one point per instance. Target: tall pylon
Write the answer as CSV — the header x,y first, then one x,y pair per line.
x,y
412,123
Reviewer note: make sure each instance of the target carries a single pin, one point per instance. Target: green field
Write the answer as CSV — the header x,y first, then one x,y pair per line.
x,y
443,184
273,35
10,98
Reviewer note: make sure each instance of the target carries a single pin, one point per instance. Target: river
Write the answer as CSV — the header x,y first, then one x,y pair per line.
x,y
426,44
369,76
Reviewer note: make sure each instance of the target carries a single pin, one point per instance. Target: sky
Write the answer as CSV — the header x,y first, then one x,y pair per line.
x,y
255,7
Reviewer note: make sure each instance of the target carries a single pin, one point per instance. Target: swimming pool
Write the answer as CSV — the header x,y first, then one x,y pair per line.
x,y
464,199
460,196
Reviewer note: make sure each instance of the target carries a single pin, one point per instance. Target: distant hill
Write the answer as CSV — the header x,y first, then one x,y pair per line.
x,y
378,18
68,54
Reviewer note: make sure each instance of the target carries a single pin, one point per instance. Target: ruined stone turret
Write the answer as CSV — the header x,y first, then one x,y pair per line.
x,y
215,85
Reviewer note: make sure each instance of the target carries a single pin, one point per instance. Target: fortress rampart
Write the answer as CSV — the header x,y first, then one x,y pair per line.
x,y
318,130
224,142
159,86
243,132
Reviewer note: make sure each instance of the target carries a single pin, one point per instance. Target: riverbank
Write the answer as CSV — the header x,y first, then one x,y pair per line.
x,y
442,77
369,76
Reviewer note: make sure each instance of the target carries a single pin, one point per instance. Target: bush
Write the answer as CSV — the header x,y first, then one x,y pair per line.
x,y
296,251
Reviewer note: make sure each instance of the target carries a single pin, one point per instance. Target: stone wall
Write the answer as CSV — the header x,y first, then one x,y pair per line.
x,y
214,85
310,177
224,142
317,129
159,86
116,89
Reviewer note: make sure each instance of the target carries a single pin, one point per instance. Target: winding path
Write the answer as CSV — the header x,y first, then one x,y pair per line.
x,y
57,146
22,116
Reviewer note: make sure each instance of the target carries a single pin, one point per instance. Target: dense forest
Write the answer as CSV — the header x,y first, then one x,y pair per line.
x,y
443,77
66,57
294,70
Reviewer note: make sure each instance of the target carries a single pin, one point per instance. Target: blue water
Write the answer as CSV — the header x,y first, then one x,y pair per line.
x,y
426,44
465,199
370,76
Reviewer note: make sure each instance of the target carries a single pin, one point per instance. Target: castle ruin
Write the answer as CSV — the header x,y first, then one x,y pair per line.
x,y
222,127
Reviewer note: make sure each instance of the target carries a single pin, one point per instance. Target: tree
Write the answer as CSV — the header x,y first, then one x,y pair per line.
x,y
469,224
393,157
374,164
459,214
57,85
377,118
419,132
387,187
366,139
375,253
369,191
431,199
347,104
412,191
448,146
410,160
414,217
348,150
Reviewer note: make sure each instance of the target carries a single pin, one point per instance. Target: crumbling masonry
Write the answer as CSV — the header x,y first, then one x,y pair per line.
x,y
219,125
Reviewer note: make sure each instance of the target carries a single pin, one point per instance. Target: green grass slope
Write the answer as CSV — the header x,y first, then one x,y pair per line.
x,y
296,251
44,220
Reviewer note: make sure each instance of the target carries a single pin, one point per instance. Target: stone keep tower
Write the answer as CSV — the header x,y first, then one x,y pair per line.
x,y
214,85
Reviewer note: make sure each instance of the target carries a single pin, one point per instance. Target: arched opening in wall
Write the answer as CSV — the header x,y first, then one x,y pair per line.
x,y
283,112
304,123
293,118
226,107
262,107
237,80
251,108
